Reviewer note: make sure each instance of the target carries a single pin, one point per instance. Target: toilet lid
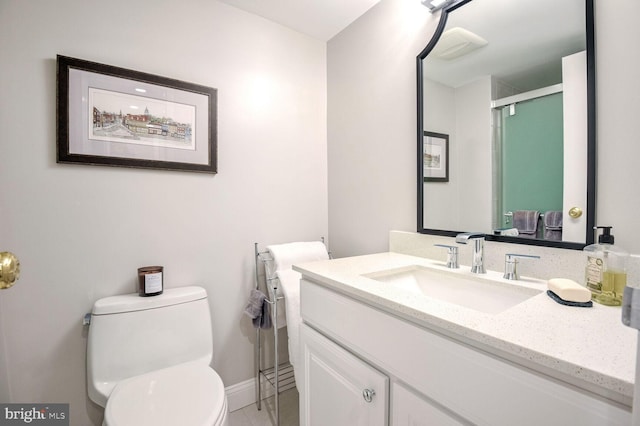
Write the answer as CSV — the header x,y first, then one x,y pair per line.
x,y
187,394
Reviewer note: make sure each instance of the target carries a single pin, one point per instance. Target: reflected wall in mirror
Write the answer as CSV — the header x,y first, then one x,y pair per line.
x,y
512,84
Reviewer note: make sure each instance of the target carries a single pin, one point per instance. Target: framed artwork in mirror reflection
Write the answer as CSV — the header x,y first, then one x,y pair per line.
x,y
435,157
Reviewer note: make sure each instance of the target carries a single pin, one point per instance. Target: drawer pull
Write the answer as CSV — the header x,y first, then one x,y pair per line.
x,y
367,394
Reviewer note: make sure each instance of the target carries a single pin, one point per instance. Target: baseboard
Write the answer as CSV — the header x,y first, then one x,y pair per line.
x,y
244,393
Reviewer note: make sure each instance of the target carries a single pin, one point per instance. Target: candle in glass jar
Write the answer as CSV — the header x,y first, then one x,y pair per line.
x,y
150,281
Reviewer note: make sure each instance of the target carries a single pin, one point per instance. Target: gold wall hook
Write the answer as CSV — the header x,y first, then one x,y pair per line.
x,y
9,269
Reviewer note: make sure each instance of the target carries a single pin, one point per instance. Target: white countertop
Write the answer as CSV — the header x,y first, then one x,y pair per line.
x,y
588,347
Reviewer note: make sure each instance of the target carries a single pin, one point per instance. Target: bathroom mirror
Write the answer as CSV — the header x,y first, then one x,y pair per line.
x,y
509,88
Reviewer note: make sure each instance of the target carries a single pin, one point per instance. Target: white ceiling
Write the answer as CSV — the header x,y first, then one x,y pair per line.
x,y
524,24
321,19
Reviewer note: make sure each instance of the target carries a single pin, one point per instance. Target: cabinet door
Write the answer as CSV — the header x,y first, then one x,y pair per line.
x,y
409,409
335,383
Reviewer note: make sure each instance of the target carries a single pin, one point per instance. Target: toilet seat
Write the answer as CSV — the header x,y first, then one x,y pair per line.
x,y
189,394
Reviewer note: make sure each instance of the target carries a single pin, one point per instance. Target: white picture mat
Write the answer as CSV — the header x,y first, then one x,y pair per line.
x,y
80,117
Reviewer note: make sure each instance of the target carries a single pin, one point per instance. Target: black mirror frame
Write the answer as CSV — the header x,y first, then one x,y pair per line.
x,y
591,137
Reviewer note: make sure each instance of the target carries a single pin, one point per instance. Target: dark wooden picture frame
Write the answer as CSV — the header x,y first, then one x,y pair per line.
x,y
113,116
435,157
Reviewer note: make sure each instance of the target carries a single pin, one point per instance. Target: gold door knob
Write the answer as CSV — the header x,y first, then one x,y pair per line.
x,y
9,269
575,212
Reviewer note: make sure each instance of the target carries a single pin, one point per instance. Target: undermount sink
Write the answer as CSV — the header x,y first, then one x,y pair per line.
x,y
481,294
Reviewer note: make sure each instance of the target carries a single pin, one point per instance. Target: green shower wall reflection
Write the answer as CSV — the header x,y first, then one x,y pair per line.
x,y
532,155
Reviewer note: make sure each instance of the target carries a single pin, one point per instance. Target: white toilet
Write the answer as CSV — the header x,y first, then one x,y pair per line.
x,y
148,360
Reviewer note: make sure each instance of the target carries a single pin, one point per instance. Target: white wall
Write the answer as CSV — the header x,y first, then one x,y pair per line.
x,y
371,126
440,117
462,114
82,231
473,131
372,121
618,100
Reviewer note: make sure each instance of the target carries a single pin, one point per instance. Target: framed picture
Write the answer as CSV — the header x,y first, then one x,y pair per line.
x,y
435,157
112,116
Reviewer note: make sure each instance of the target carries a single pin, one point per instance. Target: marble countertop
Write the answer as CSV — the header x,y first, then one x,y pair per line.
x,y
587,347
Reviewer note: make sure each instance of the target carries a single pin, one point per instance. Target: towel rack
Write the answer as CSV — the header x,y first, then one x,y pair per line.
x,y
280,376
508,217
510,214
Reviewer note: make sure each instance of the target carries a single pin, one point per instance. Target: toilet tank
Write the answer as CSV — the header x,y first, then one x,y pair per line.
x,y
131,335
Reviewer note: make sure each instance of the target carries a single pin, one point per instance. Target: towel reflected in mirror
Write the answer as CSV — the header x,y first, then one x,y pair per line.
x,y
526,221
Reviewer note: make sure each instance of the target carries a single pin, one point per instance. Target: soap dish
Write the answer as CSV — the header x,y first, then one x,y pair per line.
x,y
560,300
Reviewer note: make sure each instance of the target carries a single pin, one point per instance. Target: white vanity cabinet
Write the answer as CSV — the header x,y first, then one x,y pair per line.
x,y
432,379
339,388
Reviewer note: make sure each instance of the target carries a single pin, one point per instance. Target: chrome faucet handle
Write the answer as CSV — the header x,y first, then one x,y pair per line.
x,y
511,264
452,255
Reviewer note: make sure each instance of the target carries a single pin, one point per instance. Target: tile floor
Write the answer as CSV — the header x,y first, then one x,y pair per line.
x,y
250,416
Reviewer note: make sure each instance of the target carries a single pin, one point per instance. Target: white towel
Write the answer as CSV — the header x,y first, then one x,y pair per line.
x,y
278,316
290,281
284,256
510,232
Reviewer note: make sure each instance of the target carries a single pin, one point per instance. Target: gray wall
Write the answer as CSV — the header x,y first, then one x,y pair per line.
x,y
5,390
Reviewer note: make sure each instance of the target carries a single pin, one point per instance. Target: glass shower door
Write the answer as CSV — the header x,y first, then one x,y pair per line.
x,y
531,156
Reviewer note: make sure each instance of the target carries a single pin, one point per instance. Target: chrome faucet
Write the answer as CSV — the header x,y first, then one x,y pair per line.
x,y
477,263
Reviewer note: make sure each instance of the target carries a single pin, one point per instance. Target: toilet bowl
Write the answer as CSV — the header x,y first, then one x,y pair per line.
x,y
148,360
182,395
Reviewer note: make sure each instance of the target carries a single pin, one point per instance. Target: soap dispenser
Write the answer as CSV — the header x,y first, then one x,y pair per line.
x,y
606,270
